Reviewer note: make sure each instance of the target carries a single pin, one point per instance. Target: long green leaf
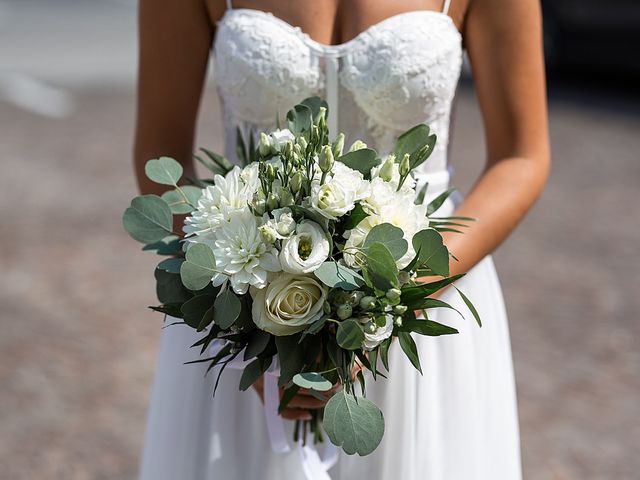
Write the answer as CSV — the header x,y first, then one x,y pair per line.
x,y
410,349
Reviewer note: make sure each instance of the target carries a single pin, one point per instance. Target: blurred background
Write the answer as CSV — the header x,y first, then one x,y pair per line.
x,y
77,345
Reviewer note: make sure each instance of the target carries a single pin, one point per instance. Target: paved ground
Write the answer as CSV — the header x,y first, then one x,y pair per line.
x,y
77,346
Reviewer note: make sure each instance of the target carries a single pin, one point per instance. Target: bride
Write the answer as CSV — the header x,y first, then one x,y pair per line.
x,y
383,67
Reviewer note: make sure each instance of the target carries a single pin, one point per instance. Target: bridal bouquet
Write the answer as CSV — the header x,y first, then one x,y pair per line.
x,y
308,256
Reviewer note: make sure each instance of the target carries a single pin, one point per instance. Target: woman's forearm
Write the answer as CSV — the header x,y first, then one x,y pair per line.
x,y
499,200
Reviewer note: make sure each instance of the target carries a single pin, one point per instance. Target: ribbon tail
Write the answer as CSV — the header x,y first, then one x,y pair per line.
x,y
312,466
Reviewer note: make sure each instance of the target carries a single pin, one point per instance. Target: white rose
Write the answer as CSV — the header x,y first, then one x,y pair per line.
x,y
337,196
372,340
288,304
306,250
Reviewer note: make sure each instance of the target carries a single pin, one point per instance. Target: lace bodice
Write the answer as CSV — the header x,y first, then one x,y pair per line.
x,y
399,72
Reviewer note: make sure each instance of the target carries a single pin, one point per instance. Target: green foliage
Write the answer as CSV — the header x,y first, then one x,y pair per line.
x,y
171,265
470,306
199,267
148,219
410,349
335,275
437,202
380,271
390,236
312,380
226,309
431,252
164,170
169,245
354,217
314,104
355,424
169,288
362,160
299,119
182,199
257,343
291,357
350,334
426,327
195,309
417,143
254,371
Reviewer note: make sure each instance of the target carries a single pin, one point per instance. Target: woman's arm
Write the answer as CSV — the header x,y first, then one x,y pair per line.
x,y
504,42
174,42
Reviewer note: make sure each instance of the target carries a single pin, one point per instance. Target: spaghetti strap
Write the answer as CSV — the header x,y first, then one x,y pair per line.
x,y
445,7
229,6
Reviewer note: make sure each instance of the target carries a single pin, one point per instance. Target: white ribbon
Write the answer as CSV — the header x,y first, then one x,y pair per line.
x,y
313,466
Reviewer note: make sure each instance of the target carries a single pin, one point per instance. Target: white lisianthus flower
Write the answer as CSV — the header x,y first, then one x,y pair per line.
x,y
305,251
275,141
230,193
339,193
288,304
241,254
372,340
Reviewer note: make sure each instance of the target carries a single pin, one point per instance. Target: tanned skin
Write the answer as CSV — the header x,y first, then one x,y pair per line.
x,y
503,39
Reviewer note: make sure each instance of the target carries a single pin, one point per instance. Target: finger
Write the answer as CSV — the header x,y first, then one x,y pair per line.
x,y
305,401
295,414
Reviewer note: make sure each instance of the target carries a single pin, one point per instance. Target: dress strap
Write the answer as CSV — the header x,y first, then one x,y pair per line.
x,y
229,6
445,7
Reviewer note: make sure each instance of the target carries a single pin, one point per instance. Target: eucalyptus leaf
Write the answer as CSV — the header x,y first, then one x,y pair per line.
x,y
362,160
257,343
169,245
171,265
380,269
164,170
226,309
148,219
299,119
411,141
199,267
290,356
194,309
335,275
254,371
314,104
350,334
312,380
169,288
431,251
354,424
390,236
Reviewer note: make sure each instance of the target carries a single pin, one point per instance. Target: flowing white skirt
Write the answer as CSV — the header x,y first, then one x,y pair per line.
x,y
457,421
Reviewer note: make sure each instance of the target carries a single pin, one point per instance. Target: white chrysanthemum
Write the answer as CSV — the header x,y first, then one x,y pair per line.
x,y
241,255
339,193
230,193
398,210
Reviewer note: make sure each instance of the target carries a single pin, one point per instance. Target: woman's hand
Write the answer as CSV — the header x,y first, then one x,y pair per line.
x,y
300,406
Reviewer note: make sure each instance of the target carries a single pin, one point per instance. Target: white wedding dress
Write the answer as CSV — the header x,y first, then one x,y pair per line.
x,y
458,421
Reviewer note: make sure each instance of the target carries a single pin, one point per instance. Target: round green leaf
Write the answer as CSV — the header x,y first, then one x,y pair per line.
x,y
355,424
312,380
350,334
148,219
335,275
171,265
198,268
163,170
176,202
432,252
195,309
226,309
380,269
390,236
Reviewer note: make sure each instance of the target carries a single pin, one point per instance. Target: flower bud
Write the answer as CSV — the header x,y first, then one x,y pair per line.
x,y
271,172
386,171
272,201
287,149
344,311
405,165
367,303
303,143
400,309
403,277
338,145
325,160
267,233
286,225
296,182
370,327
397,321
264,145
258,205
326,307
393,295
357,145
286,198
355,297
